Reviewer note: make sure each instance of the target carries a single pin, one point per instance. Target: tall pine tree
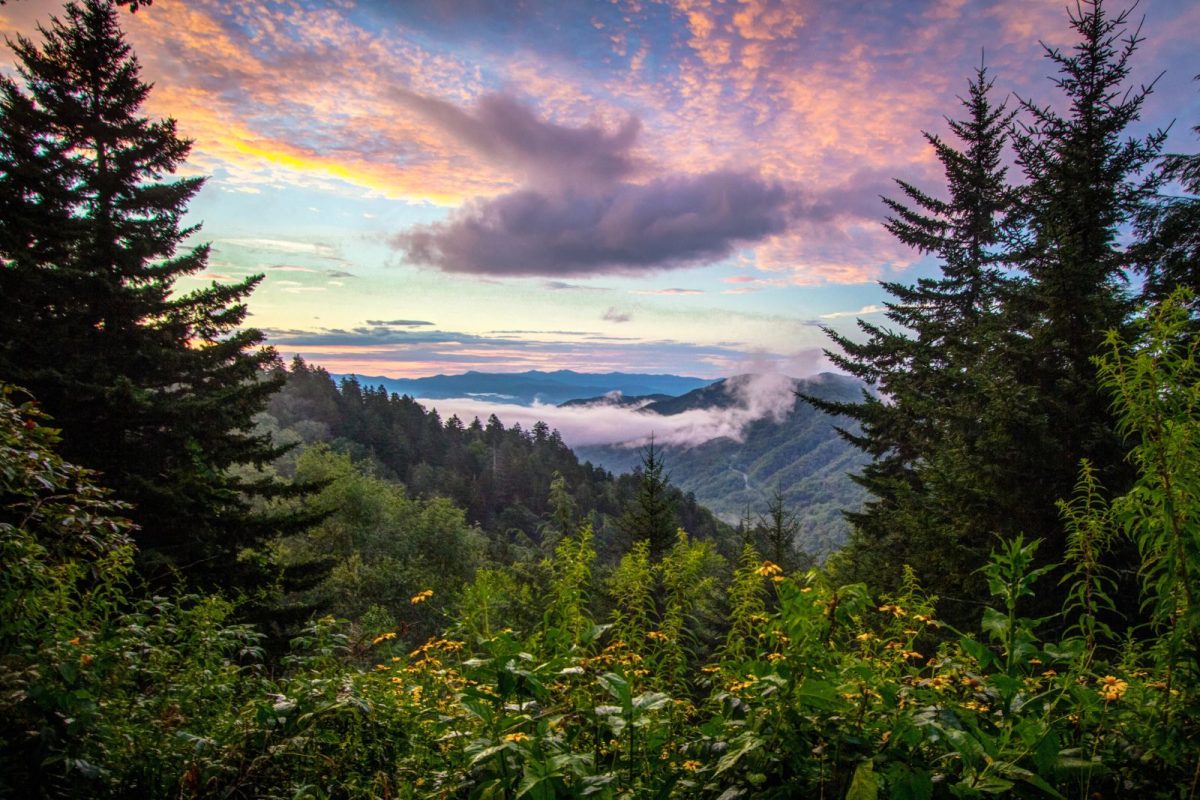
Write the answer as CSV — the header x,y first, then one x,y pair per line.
x,y
152,387
938,370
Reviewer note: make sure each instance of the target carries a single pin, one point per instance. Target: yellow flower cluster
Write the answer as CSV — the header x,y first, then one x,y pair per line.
x,y
658,636
421,596
515,737
768,569
383,637
738,686
895,610
1112,688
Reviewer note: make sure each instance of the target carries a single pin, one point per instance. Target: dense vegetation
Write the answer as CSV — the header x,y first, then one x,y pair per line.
x,y
466,611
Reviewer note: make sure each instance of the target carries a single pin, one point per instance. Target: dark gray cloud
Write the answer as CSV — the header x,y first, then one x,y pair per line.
x,y
549,155
669,222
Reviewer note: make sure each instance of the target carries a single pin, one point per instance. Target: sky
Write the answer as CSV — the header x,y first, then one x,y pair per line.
x,y
685,186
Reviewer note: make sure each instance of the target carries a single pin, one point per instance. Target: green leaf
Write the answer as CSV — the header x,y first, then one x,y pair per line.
x,y
865,784
1020,773
996,624
618,687
650,701
741,745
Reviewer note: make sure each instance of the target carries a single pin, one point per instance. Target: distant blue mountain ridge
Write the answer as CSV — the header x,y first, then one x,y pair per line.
x,y
528,388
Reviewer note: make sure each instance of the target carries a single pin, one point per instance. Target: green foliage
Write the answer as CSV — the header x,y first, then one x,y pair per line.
x,y
1155,383
1090,532
385,548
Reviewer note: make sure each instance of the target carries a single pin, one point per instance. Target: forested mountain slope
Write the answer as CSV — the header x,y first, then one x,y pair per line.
x,y
500,476
797,453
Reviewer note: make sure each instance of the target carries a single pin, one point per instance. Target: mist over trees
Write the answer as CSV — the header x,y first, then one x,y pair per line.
x,y
372,601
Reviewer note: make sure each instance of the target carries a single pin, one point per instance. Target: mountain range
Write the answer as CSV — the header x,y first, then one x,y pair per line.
x,y
527,388
786,445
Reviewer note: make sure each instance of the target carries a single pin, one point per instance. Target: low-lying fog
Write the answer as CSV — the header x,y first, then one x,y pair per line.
x,y
756,397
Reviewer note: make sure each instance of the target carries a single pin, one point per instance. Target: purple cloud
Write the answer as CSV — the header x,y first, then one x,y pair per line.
x,y
669,222
549,155
615,315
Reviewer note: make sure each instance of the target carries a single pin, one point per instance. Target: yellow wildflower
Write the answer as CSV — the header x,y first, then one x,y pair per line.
x,y
1112,688
383,637
691,765
768,568
515,737
421,596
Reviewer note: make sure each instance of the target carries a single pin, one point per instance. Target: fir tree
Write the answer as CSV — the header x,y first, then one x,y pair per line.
x,y
1087,179
930,368
154,388
651,516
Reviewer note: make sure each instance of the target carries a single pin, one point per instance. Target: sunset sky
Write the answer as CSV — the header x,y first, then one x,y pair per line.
x,y
688,186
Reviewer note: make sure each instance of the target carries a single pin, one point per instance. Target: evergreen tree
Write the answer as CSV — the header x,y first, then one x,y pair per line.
x,y
940,371
1087,179
779,527
155,389
651,516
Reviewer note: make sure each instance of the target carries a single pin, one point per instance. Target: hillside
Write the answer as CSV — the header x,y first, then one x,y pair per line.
x,y
798,451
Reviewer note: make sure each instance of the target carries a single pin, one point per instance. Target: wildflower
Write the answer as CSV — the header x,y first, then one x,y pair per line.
x,y
86,659
74,641
768,568
806,590
691,765
1050,673
710,668
383,637
421,597
1112,688
658,636
865,637
773,657
892,609
738,686
515,737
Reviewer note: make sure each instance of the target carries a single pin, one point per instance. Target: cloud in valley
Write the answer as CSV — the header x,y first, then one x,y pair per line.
x,y
757,397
